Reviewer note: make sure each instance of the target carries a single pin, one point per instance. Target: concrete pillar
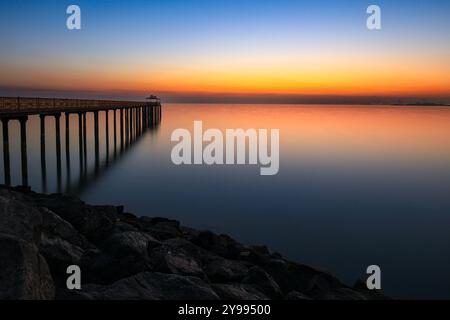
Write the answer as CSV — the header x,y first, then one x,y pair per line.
x,y
121,129
67,115
84,143
23,149
6,163
115,131
80,140
96,139
43,159
58,149
107,134
130,110
127,126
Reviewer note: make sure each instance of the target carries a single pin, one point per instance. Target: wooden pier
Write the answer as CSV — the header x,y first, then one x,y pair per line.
x,y
134,119
28,106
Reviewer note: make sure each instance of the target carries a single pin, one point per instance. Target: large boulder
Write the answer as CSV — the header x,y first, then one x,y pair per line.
x,y
238,291
60,254
160,228
262,281
121,254
18,218
24,272
222,270
179,256
93,222
295,295
53,226
61,245
149,286
221,245
298,277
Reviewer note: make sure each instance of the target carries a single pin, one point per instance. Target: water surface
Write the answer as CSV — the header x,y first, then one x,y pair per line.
x,y
357,185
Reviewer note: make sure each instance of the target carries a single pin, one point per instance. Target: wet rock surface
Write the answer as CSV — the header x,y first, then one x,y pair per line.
x,y
122,256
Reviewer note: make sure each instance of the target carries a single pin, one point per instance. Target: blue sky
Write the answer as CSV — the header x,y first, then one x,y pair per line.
x,y
164,37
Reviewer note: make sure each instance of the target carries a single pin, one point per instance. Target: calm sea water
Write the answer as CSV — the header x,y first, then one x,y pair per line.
x,y
357,186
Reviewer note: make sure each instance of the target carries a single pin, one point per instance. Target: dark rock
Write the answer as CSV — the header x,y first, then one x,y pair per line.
x,y
276,255
262,250
24,272
295,295
361,286
222,245
77,295
238,291
162,228
179,256
255,257
152,286
61,245
297,277
189,233
123,254
130,242
18,218
262,281
93,222
23,189
53,226
222,270
190,249
121,226
60,254
343,294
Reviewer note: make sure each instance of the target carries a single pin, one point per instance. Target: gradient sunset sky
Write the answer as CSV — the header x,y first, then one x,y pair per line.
x,y
216,49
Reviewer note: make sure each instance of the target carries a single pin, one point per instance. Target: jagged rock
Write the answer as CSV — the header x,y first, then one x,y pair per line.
x,y
262,250
121,226
61,245
298,277
60,254
361,287
18,218
123,254
152,286
257,256
238,291
222,245
162,228
24,273
295,295
262,281
93,222
222,270
343,294
130,242
191,249
53,226
179,256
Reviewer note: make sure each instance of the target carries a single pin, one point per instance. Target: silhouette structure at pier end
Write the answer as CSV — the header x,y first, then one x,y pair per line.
x,y
134,119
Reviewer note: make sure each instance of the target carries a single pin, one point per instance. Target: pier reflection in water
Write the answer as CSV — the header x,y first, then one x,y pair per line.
x,y
111,132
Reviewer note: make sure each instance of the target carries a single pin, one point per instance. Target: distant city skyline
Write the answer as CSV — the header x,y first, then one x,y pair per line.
x,y
228,51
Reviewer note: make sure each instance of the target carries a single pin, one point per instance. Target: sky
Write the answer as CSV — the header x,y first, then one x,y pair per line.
x,y
217,50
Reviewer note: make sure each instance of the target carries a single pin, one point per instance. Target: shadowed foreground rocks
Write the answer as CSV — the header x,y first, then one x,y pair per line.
x,y
122,256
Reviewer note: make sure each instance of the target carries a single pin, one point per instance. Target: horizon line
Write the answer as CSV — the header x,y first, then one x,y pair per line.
x,y
224,97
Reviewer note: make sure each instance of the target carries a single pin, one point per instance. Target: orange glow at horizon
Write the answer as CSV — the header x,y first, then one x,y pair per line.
x,y
326,75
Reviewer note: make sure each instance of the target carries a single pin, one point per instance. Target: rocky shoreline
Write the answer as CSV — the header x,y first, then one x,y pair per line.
x,y
122,256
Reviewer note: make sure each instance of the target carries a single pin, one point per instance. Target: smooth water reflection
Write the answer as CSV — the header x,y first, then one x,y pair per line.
x,y
357,186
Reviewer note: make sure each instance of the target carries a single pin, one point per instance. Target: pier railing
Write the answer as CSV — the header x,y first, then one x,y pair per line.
x,y
37,105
